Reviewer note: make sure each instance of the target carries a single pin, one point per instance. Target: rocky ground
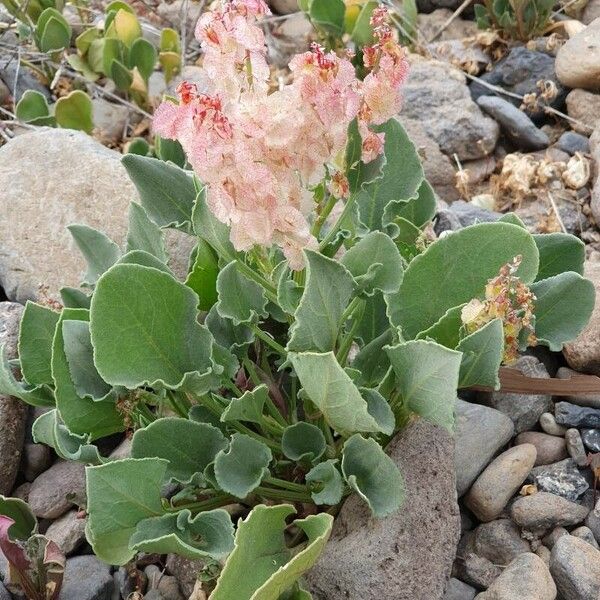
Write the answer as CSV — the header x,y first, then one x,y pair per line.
x,y
524,136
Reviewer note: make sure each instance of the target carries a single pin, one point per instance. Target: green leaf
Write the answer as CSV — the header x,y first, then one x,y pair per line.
x,y
563,306
144,259
188,446
74,298
371,361
514,219
240,299
235,338
362,33
166,191
289,293
379,409
374,321
85,39
427,379
129,317
202,277
52,31
359,173
74,111
121,75
482,356
33,108
445,331
373,475
328,15
127,27
35,343
25,523
169,40
331,390
145,234
242,467
327,480
418,211
329,287
99,251
120,494
143,56
169,150
559,252
104,53
455,269
248,407
208,534
303,442
375,263
138,146
261,566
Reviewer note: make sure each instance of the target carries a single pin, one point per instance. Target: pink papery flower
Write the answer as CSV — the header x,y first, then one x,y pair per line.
x,y
259,153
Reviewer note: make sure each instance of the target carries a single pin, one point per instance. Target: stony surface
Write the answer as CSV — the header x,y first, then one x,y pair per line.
x,y
379,559
593,521
165,585
456,590
575,447
590,12
585,107
591,439
527,576
591,400
67,531
544,511
578,60
37,458
572,142
110,119
475,570
553,537
20,80
550,426
499,481
576,416
550,448
480,432
86,578
456,29
499,541
185,571
462,214
562,478
586,534
575,566
5,594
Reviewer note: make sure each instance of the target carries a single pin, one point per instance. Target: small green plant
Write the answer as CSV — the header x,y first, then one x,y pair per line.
x,y
29,12
517,19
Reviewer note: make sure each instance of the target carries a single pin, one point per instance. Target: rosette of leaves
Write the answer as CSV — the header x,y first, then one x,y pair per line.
x,y
238,379
517,19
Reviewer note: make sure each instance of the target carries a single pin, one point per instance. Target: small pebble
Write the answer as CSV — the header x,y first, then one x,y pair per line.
x,y
562,478
499,541
591,439
550,448
572,142
550,426
575,447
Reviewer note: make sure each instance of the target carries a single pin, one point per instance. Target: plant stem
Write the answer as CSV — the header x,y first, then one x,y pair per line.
x,y
267,339
344,349
286,485
283,495
180,410
336,226
320,220
250,273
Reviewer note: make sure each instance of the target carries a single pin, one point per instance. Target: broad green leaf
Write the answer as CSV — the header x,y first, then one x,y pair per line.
x,y
169,40
289,293
261,567
328,15
371,361
328,290
331,390
121,75
417,211
359,173
235,338
559,252
563,306
427,379
248,407
138,146
81,65
362,33
32,106
35,343
374,321
25,522
169,150
512,218
455,269
74,111
188,446
120,494
303,442
144,259
118,5
202,277
109,50
373,475
327,483
74,298
145,234
375,263
208,534
84,39
143,56
445,331
149,317
379,409
201,414
166,191
55,32
240,299
242,467
127,27
99,251
482,356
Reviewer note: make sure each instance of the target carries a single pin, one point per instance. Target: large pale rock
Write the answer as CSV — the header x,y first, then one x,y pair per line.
x,y
453,29
51,178
584,107
575,566
543,511
578,60
407,556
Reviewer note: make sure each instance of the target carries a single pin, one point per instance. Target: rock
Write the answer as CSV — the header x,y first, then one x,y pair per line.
x,y
562,478
583,354
586,534
466,57
572,142
476,570
576,416
549,448
283,7
13,412
515,124
575,566
527,576
130,580
22,491
57,489
575,447
4,98
19,80
593,522
591,439
5,594
519,72
584,106
37,458
186,571
479,433
166,585
436,96
524,410
67,531
499,541
456,590
110,120
578,60
52,178
590,12
381,559
462,214
544,511
591,400
175,13
426,6
430,24
499,481
550,426
554,536
86,578
544,554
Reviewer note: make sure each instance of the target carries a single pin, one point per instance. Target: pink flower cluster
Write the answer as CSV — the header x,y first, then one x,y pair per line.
x,y
259,152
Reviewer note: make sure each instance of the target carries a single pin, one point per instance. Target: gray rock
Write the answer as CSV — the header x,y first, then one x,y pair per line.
x,y
283,7
19,80
543,511
593,521
590,12
576,416
551,539
499,541
436,95
456,590
572,142
544,554
550,426
129,580
381,559
67,531
110,120
575,566
479,432
37,458
499,481
584,106
515,124
550,448
591,439
527,576
165,585
586,534
476,570
462,214
562,478
589,400
185,571
58,489
453,29
13,412
5,594
86,578
575,447
426,6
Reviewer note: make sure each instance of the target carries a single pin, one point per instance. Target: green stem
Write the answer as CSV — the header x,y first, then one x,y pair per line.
x,y
256,380
175,404
350,310
336,226
344,349
145,412
267,339
283,495
320,220
286,485
250,273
